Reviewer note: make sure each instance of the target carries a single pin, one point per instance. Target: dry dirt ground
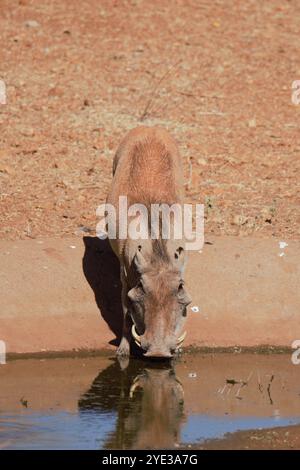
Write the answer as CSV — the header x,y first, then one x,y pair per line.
x,y
217,74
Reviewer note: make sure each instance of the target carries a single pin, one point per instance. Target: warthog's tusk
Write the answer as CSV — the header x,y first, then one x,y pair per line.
x,y
137,338
134,386
181,338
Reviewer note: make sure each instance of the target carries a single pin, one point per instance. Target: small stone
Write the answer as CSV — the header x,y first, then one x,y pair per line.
x,y
84,229
68,184
81,199
251,223
252,123
27,132
283,245
55,91
220,68
32,24
9,170
239,220
267,214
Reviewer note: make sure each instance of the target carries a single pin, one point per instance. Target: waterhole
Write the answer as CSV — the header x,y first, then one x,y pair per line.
x,y
98,403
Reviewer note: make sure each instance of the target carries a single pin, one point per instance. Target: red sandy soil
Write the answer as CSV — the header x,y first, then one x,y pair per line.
x,y
79,75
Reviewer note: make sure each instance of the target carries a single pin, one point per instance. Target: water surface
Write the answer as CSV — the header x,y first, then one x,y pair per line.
x,y
94,403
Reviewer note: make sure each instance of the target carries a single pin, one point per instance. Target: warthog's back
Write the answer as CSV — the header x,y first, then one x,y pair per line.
x,y
147,168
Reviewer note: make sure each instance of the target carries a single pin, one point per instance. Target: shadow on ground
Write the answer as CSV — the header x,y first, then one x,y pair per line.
x,y
101,268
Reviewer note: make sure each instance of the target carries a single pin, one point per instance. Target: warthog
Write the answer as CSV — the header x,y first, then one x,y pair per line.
x,y
147,169
147,400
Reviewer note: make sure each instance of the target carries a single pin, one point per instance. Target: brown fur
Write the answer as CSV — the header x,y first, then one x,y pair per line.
x,y
147,169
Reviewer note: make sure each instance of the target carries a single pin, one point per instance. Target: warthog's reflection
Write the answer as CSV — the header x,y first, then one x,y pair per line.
x,y
148,400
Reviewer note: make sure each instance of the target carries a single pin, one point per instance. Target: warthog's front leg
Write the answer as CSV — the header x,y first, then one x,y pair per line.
x,y
124,347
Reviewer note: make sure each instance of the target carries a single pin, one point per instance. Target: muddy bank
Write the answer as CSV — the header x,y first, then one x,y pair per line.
x,y
64,295
285,438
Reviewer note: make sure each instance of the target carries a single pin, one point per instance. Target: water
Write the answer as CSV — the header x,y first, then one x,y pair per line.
x,y
93,403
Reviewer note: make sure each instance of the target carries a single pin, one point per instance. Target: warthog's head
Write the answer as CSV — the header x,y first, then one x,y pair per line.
x,y
159,300
148,403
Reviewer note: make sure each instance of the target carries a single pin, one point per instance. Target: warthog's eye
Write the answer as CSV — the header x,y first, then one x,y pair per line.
x,y
137,293
140,286
183,296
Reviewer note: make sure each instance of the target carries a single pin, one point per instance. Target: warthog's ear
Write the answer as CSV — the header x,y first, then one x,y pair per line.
x,y
139,260
183,296
179,258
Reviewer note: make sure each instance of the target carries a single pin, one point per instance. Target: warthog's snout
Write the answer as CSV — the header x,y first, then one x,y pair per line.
x,y
158,353
163,348
157,349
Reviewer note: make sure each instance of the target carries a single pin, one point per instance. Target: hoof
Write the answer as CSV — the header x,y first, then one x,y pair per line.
x,y
124,348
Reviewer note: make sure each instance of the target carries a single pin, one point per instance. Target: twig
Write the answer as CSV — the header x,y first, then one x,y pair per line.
x,y
154,90
243,384
211,113
189,181
260,387
88,187
269,389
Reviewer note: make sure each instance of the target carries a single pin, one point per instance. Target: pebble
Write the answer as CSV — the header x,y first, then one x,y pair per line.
x,y
267,214
27,132
9,170
240,220
283,245
32,24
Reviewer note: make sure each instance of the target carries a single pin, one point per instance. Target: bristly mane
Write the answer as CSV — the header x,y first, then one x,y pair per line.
x,y
159,251
152,163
